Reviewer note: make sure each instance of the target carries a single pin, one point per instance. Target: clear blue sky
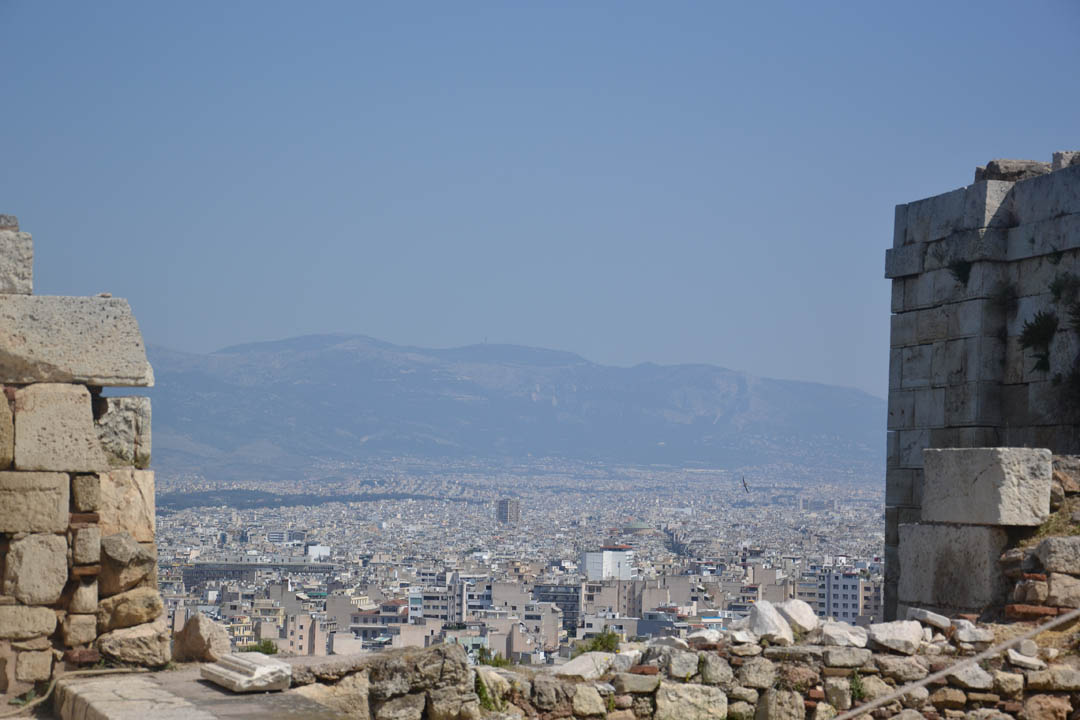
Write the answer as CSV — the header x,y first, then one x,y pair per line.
x,y
669,182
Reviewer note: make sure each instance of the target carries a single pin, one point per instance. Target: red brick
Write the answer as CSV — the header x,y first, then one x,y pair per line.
x,y
82,656
1034,576
816,694
1018,611
645,670
89,517
85,570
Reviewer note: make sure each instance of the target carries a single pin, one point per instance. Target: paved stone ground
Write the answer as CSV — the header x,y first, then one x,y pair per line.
x,y
175,695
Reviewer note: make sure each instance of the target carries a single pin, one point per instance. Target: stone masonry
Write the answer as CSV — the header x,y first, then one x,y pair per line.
x,y
985,335
77,554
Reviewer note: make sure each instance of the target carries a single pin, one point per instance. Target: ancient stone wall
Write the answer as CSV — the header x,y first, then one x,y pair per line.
x,y
76,500
782,665
985,336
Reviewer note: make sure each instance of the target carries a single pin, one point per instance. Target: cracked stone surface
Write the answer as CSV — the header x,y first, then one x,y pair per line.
x,y
177,695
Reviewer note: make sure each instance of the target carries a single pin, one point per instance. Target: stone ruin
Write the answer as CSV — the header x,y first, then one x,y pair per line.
x,y
77,552
984,353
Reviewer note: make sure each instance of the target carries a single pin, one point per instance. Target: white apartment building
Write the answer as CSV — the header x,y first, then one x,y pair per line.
x,y
611,562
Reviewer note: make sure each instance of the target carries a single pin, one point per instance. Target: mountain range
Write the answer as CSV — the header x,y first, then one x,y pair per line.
x,y
278,408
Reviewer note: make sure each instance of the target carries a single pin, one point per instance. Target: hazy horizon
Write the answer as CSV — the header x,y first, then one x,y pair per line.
x,y
271,341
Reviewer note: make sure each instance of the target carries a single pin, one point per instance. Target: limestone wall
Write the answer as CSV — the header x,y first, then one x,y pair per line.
x,y
76,498
985,334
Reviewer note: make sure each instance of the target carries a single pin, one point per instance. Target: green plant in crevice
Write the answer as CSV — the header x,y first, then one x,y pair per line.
x,y
1037,335
961,271
486,701
858,692
1065,287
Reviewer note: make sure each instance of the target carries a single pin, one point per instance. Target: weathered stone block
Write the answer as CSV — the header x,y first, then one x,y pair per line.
x,y
86,546
124,564
33,502
974,403
675,701
918,292
79,630
929,407
18,622
983,279
936,217
1060,554
916,368
967,246
36,569
986,204
900,486
148,645
896,303
902,261
901,410
903,329
931,324
85,597
912,443
86,492
978,317
127,503
54,427
901,636
1047,196
201,639
900,226
33,666
1013,170
1044,404
16,262
951,566
1043,238
1062,159
124,431
987,486
1064,590
128,609
95,341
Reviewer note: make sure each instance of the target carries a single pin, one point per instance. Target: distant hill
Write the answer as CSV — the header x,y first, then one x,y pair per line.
x,y
275,407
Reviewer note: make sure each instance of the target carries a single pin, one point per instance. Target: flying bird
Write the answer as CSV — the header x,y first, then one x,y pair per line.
x,y
745,486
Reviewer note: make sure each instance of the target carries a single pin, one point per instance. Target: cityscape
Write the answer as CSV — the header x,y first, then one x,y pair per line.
x,y
522,561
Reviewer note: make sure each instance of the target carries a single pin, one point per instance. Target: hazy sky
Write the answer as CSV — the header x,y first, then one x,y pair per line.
x,y
669,182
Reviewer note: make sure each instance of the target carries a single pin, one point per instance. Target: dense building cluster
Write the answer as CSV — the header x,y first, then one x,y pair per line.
x,y
645,553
